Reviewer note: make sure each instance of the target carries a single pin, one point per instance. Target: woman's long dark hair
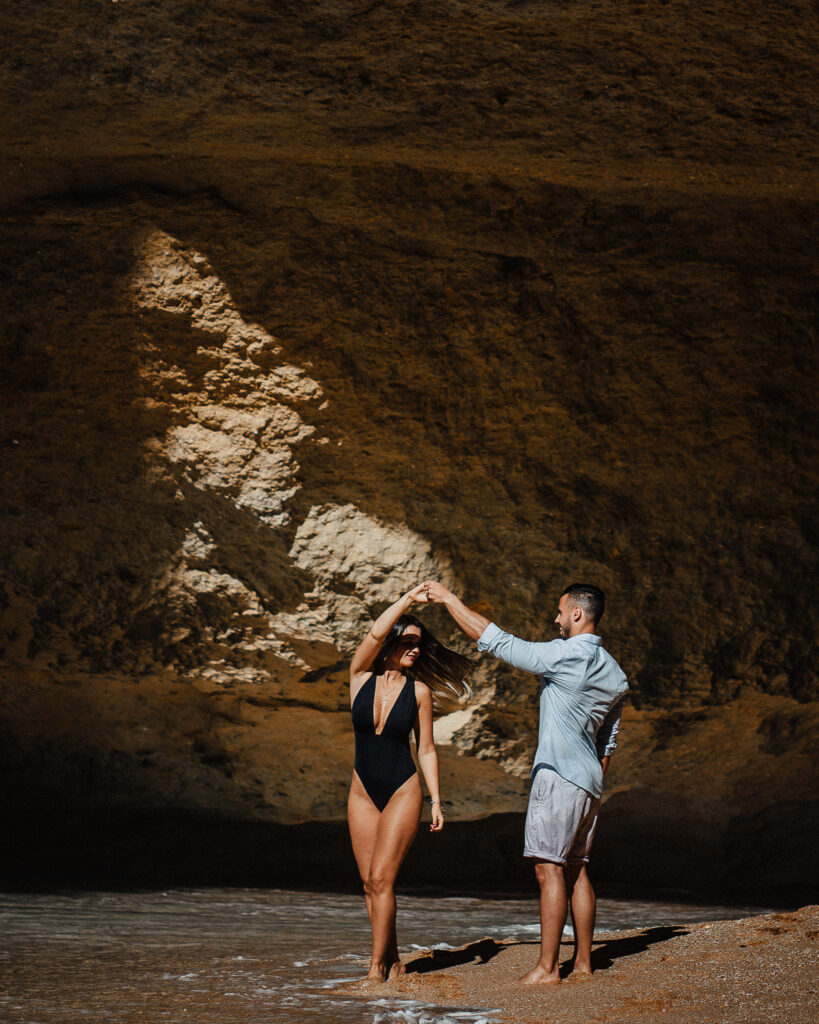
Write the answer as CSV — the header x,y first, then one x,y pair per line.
x,y
443,670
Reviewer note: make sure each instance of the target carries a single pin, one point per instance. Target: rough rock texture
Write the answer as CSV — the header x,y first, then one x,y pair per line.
x,y
306,302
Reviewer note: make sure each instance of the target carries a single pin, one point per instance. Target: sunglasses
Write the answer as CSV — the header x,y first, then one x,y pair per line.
x,y
409,644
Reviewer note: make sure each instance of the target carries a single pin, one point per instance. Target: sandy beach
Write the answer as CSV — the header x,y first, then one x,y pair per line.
x,y
753,971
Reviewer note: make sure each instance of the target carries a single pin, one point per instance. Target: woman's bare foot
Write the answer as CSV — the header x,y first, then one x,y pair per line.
x,y
539,976
396,971
378,972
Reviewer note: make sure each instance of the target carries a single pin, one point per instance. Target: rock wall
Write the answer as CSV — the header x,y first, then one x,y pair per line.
x,y
304,303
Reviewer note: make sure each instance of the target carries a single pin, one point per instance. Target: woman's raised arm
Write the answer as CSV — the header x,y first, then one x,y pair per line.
x,y
371,644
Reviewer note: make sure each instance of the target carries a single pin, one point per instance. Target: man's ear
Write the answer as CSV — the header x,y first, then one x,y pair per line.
x,y
577,613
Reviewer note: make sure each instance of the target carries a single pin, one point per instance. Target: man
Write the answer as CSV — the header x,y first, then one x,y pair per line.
x,y
582,690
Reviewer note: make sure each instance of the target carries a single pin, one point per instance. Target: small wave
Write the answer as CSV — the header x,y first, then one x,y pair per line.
x,y
413,1011
406,1004
414,947
355,958
478,1016
511,930
424,1016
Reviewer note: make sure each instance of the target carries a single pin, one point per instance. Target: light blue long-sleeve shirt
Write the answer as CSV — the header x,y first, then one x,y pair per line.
x,y
582,691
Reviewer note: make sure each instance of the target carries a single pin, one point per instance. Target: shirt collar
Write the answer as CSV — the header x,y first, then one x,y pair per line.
x,y
591,638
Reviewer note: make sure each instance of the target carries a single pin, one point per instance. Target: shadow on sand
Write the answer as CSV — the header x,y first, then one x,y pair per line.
x,y
438,959
614,949
603,956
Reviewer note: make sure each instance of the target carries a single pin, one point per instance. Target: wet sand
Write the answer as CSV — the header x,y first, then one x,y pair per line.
x,y
757,970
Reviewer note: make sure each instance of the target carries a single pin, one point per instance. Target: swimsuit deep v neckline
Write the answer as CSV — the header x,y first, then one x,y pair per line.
x,y
383,761
401,688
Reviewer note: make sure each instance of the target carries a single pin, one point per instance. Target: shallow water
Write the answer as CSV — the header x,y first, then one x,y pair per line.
x,y
247,956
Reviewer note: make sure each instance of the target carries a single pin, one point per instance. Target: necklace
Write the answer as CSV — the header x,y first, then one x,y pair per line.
x,y
392,689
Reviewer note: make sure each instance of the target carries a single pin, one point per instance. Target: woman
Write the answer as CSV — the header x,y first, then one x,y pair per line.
x,y
395,673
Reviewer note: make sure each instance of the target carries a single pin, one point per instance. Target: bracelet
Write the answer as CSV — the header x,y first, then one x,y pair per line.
x,y
435,802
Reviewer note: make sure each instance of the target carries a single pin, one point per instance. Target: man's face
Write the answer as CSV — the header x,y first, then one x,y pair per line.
x,y
565,616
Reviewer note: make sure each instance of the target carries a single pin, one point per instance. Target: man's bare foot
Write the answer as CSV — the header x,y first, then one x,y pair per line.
x,y
378,972
540,976
397,970
576,966
580,972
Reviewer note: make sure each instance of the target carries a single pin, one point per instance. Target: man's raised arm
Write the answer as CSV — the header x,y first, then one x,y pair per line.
x,y
522,654
472,623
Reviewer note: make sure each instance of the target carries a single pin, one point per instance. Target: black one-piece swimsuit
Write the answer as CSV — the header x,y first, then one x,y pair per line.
x,y
383,760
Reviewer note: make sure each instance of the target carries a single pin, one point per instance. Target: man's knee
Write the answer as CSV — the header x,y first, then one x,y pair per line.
x,y
547,872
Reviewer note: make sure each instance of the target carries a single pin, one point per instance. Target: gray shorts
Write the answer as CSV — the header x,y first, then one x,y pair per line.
x,y
560,821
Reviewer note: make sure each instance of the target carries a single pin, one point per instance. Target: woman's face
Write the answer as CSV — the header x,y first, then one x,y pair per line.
x,y
408,649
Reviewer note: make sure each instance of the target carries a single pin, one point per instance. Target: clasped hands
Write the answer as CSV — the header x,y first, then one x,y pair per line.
x,y
429,592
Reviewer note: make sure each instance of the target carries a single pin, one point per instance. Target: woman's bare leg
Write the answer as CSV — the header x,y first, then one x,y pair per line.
x,y
398,827
363,819
380,844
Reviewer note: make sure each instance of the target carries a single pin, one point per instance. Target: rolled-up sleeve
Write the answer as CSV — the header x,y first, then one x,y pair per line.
x,y
606,742
540,658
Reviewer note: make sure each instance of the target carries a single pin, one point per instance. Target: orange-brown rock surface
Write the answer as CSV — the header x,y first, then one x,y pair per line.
x,y
305,302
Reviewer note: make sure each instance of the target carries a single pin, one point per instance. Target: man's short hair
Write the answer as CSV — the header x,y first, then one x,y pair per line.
x,y
590,598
